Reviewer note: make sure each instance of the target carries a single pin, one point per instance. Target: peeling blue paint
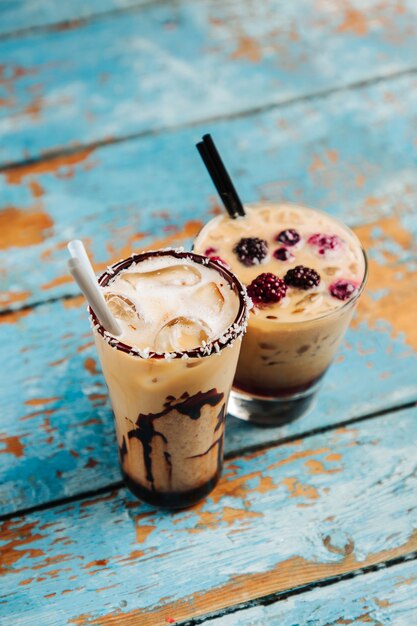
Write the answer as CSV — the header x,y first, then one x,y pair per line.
x,y
156,184
345,493
317,516
20,14
386,597
380,293
78,420
167,65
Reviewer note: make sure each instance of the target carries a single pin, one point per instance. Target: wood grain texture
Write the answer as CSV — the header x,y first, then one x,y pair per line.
x,y
56,433
178,63
352,154
289,515
387,598
17,15
279,518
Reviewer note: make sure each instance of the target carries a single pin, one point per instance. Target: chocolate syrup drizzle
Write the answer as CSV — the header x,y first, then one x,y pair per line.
x,y
221,418
122,450
191,406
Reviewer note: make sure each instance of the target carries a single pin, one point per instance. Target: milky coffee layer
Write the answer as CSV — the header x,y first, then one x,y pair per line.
x,y
344,261
289,344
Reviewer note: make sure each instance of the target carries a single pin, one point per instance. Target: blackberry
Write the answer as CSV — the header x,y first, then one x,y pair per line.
x,y
251,250
302,277
267,289
283,254
289,236
342,289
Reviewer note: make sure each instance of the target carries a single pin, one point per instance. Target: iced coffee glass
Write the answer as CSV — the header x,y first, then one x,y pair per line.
x,y
305,272
170,373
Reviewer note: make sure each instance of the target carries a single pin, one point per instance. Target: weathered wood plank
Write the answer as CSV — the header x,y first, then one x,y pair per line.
x,y
384,597
352,154
178,63
280,518
55,424
17,15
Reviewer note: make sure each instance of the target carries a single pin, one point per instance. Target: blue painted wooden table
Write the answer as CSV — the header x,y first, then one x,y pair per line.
x,y
100,106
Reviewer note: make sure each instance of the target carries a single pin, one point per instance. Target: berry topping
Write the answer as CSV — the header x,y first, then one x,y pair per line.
x,y
289,236
267,289
342,289
283,254
302,277
220,261
325,243
210,252
251,250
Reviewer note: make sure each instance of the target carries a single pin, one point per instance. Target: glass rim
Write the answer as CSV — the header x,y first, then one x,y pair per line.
x,y
230,334
346,304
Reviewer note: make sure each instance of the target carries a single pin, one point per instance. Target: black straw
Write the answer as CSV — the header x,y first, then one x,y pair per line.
x,y
220,177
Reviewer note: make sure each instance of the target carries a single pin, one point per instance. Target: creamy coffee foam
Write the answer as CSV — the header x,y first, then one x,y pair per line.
x,y
345,262
166,304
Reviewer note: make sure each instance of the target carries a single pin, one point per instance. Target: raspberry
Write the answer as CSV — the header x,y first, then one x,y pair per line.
x,y
342,289
325,243
219,260
267,289
210,252
251,250
283,254
290,237
302,277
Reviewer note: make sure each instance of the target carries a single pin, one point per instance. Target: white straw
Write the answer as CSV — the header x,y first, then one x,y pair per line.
x,y
83,273
77,251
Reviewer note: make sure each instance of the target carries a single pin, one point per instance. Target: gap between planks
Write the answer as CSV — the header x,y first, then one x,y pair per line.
x,y
319,94
283,595
115,486
68,24
38,303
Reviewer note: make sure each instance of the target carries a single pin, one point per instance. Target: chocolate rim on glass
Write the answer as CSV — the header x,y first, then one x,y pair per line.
x,y
170,407
264,404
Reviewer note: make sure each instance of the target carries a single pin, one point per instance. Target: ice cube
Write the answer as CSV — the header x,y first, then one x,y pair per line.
x,y
210,297
216,236
122,307
182,333
266,214
294,217
179,275
332,271
237,225
310,298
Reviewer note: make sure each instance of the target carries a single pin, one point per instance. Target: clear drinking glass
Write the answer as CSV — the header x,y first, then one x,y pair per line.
x,y
170,412
281,363
277,389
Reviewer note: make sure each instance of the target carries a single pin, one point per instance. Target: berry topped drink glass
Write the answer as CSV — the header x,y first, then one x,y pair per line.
x,y
304,271
170,372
